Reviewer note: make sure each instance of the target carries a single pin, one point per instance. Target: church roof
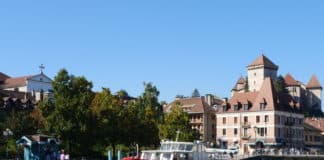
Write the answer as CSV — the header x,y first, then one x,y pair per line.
x,y
265,61
313,83
290,80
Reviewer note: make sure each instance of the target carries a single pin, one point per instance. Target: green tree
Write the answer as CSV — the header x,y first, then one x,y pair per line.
x,y
107,110
149,102
280,85
149,115
68,115
195,93
177,121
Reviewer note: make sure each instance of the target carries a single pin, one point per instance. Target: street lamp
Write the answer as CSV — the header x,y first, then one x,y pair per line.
x,y
177,135
6,134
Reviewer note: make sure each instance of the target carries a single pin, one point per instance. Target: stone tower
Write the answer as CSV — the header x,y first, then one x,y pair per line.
x,y
314,93
258,70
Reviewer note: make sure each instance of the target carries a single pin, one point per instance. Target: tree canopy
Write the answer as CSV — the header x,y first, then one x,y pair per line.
x,y
280,85
178,122
195,93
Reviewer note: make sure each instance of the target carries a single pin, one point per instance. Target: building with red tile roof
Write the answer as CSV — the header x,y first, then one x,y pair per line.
x,y
201,112
314,134
32,84
260,117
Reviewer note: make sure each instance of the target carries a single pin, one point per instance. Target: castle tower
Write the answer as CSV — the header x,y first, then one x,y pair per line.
x,y
314,93
239,87
258,70
293,87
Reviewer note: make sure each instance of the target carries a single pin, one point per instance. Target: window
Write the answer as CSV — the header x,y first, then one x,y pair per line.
x,y
245,132
278,118
235,120
310,138
224,108
294,89
257,119
265,131
246,119
266,118
224,120
235,131
306,138
262,131
246,107
262,106
213,117
224,132
236,107
279,132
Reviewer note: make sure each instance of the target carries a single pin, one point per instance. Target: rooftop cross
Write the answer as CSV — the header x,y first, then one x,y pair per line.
x,y
41,67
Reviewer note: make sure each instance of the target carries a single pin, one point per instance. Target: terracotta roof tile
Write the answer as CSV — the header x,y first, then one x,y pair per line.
x,y
290,81
314,83
263,60
3,76
267,94
15,82
194,104
315,122
241,80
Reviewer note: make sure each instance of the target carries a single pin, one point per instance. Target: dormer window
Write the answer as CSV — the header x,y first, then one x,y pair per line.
x,y
246,107
262,106
224,108
236,107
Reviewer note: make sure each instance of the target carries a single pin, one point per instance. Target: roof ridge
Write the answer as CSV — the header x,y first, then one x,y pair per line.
x,y
265,61
290,80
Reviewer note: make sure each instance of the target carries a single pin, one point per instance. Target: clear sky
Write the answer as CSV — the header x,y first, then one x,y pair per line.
x,y
178,45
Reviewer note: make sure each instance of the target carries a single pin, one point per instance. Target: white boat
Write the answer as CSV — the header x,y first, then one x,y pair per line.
x,y
171,150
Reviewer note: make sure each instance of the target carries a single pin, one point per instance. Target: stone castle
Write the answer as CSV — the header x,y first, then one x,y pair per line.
x,y
306,96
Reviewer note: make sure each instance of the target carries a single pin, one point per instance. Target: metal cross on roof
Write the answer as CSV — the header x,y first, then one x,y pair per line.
x,y
41,67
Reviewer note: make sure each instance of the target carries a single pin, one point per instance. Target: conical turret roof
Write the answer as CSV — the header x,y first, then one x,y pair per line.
x,y
313,83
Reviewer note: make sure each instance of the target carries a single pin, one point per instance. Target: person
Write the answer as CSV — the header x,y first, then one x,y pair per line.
x,y
62,156
67,156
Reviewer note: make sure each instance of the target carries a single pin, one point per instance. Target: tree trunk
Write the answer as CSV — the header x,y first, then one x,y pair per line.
x,y
114,151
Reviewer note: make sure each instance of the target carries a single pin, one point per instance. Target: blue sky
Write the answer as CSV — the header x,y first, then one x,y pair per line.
x,y
177,45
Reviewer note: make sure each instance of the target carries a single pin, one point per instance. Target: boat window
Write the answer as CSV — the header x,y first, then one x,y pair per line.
x,y
166,156
189,147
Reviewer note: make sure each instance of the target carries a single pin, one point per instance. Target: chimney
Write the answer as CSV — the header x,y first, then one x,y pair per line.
x,y
225,100
209,99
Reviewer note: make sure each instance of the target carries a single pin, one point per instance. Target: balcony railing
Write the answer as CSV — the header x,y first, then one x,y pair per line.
x,y
246,125
246,137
